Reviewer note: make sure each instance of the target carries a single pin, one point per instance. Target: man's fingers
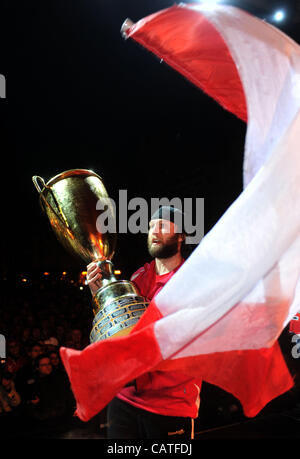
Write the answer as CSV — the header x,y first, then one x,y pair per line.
x,y
93,276
93,264
91,279
93,269
90,265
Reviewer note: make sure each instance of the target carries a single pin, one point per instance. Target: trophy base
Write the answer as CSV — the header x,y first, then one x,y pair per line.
x,y
117,308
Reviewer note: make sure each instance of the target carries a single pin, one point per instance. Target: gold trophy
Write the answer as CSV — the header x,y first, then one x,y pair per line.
x,y
70,201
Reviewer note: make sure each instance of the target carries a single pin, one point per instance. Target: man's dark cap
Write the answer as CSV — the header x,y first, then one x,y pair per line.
x,y
171,214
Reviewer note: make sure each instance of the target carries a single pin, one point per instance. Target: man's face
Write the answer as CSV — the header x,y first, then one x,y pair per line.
x,y
7,384
45,367
163,240
35,352
54,359
14,349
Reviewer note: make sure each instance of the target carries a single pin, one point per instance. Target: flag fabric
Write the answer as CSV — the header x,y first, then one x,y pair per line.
x,y
220,316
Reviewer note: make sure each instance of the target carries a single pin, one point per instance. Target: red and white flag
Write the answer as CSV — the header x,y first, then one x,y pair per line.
x,y
220,315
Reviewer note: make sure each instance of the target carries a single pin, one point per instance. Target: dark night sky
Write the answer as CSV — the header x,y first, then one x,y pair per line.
x,y
79,96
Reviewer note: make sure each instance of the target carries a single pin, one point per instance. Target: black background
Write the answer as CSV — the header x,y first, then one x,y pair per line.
x,y
79,96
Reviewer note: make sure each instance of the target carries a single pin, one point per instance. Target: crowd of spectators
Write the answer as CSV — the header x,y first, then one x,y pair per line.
x,y
38,315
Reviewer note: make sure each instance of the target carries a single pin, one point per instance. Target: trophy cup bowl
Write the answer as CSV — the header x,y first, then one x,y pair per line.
x,y
70,202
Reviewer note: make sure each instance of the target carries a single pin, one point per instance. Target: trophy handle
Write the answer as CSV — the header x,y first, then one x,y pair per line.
x,y
36,179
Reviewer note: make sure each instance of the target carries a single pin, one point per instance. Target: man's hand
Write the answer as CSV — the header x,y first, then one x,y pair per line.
x,y
93,277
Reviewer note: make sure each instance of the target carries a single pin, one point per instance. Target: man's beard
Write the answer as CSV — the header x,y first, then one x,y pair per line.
x,y
164,250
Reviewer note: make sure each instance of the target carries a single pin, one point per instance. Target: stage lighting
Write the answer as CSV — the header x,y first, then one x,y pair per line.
x,y
209,3
279,16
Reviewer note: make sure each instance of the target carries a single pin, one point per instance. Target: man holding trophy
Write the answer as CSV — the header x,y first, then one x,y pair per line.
x,y
157,404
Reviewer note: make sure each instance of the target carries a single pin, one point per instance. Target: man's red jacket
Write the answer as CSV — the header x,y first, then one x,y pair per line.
x,y
166,393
